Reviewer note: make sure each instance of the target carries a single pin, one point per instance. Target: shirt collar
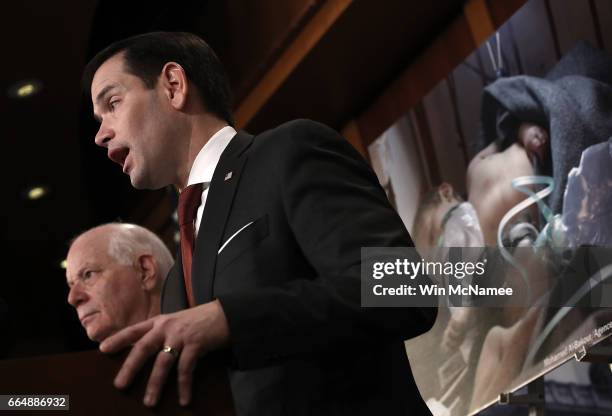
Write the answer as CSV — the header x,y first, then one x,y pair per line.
x,y
206,161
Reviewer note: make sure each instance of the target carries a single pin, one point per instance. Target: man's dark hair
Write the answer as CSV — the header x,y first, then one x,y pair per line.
x,y
146,54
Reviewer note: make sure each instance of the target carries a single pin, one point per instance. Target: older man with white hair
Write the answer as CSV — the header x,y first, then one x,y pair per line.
x,y
115,273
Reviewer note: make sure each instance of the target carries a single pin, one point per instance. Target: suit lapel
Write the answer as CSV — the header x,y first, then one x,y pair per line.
x,y
216,212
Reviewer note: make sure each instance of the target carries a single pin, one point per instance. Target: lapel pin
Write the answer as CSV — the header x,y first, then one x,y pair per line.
x,y
228,176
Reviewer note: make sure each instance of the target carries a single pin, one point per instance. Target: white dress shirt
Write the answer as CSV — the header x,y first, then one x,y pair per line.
x,y
205,163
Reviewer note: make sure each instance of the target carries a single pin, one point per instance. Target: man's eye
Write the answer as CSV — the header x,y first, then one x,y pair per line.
x,y
113,104
88,274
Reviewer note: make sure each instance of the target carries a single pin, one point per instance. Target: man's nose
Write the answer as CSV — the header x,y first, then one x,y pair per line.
x,y
104,135
76,295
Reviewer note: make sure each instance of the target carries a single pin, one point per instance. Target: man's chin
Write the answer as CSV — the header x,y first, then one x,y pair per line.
x,y
139,182
97,334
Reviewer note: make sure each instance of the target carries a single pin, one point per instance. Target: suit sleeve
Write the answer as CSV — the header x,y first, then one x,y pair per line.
x,y
334,205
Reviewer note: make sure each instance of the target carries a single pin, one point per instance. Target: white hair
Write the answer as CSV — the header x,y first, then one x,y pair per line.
x,y
128,241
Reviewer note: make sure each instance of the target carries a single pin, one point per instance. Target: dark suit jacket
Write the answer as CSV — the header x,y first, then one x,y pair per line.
x,y
289,282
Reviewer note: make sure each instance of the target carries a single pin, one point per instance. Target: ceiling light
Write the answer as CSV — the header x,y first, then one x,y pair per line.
x,y
24,89
36,192
63,264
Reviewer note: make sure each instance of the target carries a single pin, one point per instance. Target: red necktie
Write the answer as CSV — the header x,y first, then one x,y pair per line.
x,y
189,201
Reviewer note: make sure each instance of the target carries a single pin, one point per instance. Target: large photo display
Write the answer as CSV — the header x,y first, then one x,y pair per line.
x,y
513,150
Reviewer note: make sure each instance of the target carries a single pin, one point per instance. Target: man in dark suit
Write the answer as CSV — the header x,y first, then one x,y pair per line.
x,y
277,220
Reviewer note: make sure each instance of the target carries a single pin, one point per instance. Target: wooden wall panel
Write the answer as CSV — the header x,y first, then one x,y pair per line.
x,y
479,18
437,61
573,21
468,86
289,59
534,38
365,49
250,34
447,143
512,62
603,10
503,10
444,54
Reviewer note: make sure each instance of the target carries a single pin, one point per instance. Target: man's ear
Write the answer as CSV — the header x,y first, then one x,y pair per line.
x,y
149,271
175,84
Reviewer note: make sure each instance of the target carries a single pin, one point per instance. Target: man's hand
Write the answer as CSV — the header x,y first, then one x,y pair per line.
x,y
190,333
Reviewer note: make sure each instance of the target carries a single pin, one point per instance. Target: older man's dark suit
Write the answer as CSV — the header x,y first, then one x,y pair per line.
x,y
289,283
